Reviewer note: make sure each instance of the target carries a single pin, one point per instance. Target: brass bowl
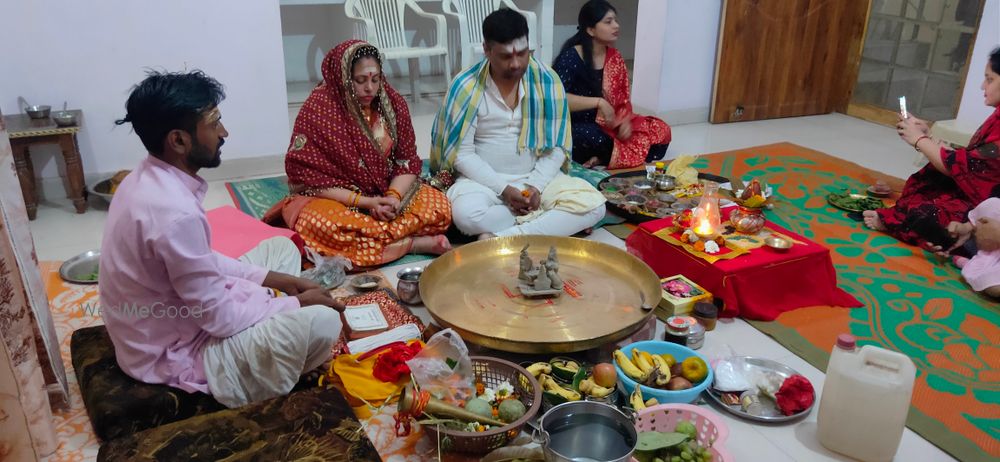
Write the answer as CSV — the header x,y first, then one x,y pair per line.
x,y
778,243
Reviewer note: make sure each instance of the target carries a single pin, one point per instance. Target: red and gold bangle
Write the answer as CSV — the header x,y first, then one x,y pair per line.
x,y
392,192
915,143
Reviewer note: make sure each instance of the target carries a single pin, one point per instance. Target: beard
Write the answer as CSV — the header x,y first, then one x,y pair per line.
x,y
201,156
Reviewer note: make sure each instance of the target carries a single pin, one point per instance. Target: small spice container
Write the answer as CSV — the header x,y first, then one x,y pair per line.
x,y
696,336
706,314
677,330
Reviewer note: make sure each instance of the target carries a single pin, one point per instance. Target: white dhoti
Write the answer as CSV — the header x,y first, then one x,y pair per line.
x,y
266,360
568,206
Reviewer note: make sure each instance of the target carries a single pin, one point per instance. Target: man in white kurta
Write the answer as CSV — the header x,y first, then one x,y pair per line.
x,y
504,190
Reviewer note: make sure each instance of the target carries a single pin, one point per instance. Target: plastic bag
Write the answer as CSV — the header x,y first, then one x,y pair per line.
x,y
682,171
731,375
444,368
328,272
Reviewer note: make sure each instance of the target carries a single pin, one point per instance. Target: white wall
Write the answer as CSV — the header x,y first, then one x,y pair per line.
x,y
309,31
971,111
89,54
681,68
565,20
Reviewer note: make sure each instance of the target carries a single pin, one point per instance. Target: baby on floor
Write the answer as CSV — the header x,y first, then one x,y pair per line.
x,y
982,271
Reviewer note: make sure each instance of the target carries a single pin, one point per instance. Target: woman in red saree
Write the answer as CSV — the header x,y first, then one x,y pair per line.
x,y
351,162
605,130
953,182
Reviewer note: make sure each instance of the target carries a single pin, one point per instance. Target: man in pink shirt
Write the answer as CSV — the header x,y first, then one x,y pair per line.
x,y
179,313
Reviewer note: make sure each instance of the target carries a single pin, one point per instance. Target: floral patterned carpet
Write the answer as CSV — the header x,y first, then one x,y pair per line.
x,y
914,302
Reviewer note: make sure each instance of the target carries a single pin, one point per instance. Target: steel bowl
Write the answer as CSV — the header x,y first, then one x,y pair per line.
x,y
408,287
587,430
778,243
665,182
64,118
366,282
38,112
81,269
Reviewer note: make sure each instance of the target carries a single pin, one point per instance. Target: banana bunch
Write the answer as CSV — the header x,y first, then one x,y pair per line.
x,y
635,400
644,368
630,368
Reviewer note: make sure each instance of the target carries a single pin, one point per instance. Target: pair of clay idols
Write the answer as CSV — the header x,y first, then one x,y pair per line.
x,y
542,280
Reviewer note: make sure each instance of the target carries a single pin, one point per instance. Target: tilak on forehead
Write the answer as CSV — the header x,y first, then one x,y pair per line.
x,y
516,46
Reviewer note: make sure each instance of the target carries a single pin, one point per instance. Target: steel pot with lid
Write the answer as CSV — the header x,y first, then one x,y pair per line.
x,y
584,431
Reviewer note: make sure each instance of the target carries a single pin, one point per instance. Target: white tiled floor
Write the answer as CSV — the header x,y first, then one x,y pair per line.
x,y
60,234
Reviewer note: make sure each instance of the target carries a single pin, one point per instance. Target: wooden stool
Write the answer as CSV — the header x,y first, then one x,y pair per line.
x,y
24,132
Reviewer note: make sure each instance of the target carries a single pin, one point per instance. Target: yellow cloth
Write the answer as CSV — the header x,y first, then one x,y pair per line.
x,y
358,384
682,171
568,194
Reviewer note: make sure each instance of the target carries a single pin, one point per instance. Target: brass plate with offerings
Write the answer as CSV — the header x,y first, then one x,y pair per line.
x,y
473,289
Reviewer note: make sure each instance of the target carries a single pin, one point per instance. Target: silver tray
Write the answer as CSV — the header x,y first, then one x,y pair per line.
x,y
770,366
77,269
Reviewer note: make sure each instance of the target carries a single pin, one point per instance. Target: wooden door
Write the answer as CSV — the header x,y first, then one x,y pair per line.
x,y
784,58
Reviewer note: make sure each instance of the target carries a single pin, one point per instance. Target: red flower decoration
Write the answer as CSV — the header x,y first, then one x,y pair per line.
x,y
795,395
391,365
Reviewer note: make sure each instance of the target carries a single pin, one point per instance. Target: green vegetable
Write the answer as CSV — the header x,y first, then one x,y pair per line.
x,y
854,203
652,441
479,407
687,428
510,410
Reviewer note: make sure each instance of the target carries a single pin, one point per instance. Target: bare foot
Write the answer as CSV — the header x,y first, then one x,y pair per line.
x,y
590,163
873,221
486,236
959,261
431,245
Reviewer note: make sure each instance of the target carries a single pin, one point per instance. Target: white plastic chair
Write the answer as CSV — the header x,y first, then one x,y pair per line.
x,y
384,28
470,15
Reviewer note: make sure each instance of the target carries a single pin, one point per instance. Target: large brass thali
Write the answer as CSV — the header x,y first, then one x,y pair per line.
x,y
473,289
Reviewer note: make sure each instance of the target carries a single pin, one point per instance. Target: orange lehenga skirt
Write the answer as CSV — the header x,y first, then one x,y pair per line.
x,y
331,228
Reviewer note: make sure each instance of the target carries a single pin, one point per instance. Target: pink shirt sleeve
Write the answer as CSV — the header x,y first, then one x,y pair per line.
x,y
226,304
232,267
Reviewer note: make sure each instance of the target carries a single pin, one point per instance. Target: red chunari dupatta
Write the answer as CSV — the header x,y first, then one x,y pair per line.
x,y
646,130
332,145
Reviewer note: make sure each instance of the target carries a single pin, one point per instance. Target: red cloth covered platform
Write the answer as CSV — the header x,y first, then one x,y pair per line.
x,y
760,285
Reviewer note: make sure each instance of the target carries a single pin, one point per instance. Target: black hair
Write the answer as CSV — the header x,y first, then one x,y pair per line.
x,y
504,26
591,13
995,60
166,101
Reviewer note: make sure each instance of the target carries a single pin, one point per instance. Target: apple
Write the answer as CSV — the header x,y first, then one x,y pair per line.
x,y
605,375
679,383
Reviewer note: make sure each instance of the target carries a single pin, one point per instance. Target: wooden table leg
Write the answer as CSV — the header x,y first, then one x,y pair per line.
x,y
74,170
26,176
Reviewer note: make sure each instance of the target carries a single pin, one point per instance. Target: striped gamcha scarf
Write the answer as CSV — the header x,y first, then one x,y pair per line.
x,y
544,117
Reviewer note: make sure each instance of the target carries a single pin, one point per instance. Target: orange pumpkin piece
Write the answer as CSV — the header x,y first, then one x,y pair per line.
x,y
699,246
